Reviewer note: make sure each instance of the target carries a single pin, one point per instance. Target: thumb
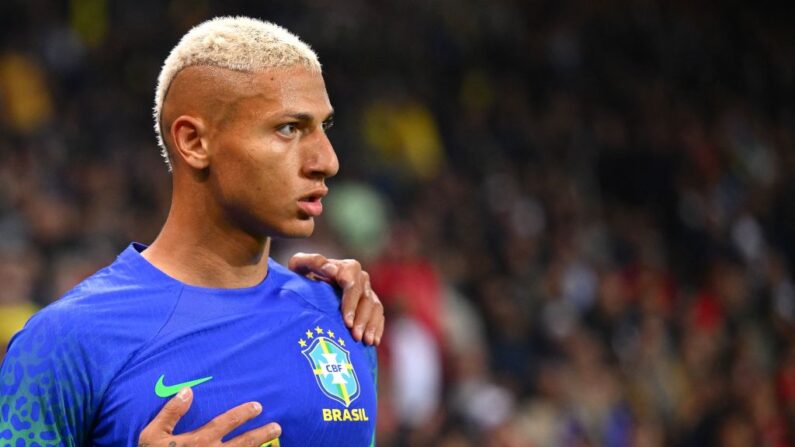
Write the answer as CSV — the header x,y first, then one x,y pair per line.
x,y
172,411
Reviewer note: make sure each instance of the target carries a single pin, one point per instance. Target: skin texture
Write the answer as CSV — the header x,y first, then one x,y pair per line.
x,y
242,163
246,150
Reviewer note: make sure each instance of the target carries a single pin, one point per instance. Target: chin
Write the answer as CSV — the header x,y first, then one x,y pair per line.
x,y
300,229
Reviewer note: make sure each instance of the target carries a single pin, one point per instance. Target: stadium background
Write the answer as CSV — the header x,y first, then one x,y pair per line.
x,y
579,214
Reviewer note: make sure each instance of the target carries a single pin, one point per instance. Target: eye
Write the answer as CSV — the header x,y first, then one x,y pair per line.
x,y
287,130
328,124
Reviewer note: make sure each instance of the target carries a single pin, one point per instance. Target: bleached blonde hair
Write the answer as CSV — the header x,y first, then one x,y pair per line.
x,y
235,43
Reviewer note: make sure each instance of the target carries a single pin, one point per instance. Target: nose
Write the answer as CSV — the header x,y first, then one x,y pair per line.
x,y
322,161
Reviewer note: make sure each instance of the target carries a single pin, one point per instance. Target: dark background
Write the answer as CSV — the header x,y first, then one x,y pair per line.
x,y
579,214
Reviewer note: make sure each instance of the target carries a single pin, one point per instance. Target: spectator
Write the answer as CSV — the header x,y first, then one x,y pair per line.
x,y
605,188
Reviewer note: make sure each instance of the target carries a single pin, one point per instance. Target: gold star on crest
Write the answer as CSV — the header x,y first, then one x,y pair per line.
x,y
341,341
318,330
309,334
330,333
302,343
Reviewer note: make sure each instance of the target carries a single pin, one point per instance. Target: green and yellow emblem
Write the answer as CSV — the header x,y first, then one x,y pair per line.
x,y
331,365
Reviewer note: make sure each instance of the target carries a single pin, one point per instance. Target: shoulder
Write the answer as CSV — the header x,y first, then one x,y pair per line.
x,y
110,300
317,294
59,365
99,323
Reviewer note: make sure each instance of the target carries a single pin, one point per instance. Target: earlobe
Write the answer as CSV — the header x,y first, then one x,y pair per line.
x,y
188,134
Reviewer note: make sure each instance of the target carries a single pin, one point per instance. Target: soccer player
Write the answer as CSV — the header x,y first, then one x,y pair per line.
x,y
200,338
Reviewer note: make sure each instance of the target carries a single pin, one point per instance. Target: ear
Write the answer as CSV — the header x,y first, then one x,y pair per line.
x,y
188,134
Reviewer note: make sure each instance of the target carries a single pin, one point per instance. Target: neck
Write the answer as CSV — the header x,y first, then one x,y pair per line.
x,y
195,249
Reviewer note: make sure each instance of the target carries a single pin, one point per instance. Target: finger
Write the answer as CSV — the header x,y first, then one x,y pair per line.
x,y
223,424
256,437
376,321
364,314
380,331
305,263
354,283
172,411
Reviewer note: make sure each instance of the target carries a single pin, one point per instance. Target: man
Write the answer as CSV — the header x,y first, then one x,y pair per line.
x,y
241,114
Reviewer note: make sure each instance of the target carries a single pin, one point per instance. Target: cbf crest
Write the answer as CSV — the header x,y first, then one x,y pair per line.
x,y
331,365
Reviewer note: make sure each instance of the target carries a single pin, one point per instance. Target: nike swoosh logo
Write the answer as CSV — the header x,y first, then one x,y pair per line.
x,y
169,390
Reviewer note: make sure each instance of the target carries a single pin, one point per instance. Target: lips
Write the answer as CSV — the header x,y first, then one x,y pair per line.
x,y
311,203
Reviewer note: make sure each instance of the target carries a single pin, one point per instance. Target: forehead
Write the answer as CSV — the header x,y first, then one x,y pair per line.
x,y
289,90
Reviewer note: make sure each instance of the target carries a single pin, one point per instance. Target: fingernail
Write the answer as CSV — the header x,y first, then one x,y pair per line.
x,y
256,407
330,269
371,335
183,394
349,318
277,430
358,332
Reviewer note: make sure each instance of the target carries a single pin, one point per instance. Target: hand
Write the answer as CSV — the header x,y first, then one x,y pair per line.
x,y
160,432
361,309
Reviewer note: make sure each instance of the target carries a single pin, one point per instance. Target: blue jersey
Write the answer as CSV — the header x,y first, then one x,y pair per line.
x,y
96,366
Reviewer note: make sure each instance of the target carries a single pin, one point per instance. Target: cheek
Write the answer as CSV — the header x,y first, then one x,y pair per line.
x,y
268,174
253,164
244,160
269,177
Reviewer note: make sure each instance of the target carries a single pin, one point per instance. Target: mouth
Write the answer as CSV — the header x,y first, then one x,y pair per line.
x,y
311,204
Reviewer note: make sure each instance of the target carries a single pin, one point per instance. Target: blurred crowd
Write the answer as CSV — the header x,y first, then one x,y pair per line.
x,y
578,214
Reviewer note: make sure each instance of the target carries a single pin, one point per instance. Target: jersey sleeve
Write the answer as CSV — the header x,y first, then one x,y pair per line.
x,y
45,388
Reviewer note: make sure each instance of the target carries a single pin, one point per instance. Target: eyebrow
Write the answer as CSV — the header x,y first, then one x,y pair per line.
x,y
307,118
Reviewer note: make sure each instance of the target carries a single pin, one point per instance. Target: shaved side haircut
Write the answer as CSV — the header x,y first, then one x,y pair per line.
x,y
235,43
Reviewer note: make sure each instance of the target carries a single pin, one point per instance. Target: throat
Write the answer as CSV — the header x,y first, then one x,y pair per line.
x,y
213,263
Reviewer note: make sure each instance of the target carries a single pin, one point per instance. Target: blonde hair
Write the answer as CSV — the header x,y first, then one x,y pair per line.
x,y
235,43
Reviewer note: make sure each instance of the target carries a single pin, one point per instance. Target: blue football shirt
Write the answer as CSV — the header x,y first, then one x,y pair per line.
x,y
96,366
